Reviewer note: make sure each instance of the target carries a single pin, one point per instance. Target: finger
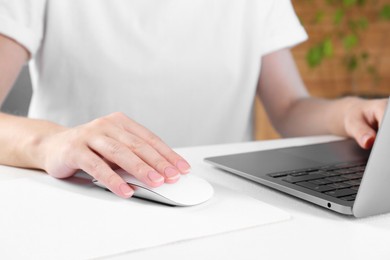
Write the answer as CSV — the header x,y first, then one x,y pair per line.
x,y
153,140
146,153
175,159
152,157
121,155
97,168
363,133
379,111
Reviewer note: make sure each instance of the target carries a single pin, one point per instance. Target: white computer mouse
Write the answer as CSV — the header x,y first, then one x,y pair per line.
x,y
189,190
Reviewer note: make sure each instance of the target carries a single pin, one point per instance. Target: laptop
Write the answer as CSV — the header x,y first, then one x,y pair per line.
x,y
337,175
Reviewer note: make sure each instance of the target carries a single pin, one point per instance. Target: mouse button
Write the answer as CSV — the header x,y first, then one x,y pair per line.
x,y
97,183
131,179
189,190
150,195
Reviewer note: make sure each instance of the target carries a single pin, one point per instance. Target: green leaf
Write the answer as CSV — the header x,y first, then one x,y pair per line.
x,y
329,2
358,24
362,23
319,16
333,2
338,16
317,53
350,41
352,63
314,56
348,3
327,48
385,12
361,2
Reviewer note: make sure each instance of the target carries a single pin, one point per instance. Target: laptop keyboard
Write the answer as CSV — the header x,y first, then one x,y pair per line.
x,y
341,180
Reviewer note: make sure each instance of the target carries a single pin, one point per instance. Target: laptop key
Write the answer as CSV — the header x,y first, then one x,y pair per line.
x,y
278,175
321,182
341,193
345,171
352,176
354,182
360,174
330,174
299,174
358,169
337,179
294,179
340,185
319,188
349,198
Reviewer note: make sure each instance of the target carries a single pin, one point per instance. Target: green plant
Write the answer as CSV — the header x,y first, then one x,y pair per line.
x,y
346,22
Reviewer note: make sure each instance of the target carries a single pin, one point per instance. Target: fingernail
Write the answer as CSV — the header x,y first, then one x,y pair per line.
x,y
368,140
183,166
171,173
155,177
365,138
126,190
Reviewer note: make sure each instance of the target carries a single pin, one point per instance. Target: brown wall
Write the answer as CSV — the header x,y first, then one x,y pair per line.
x,y
331,79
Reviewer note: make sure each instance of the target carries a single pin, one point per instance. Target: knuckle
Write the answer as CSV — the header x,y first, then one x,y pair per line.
x,y
160,164
95,167
115,148
137,144
139,168
117,115
153,140
174,157
111,179
99,122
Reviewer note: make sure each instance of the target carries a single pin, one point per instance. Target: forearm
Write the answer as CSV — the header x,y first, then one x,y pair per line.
x,y
312,116
294,113
22,140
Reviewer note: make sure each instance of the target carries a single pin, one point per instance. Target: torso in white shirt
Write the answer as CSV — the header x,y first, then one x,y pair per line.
x,y
185,69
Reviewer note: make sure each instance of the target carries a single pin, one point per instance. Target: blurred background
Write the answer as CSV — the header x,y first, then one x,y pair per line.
x,y
348,53
18,100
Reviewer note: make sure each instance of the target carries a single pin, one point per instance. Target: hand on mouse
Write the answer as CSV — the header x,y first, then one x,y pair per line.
x,y
112,140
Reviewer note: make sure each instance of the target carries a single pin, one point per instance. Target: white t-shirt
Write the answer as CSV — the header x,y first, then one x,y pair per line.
x,y
185,69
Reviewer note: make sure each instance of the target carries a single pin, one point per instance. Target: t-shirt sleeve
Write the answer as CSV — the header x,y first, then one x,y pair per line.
x,y
23,21
283,28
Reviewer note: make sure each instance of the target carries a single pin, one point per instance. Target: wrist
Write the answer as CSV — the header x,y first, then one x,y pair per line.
x,y
38,144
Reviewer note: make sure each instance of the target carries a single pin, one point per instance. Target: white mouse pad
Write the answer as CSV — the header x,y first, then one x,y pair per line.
x,y
45,218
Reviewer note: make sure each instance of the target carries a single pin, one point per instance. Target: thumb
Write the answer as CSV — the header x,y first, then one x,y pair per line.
x,y
367,140
363,134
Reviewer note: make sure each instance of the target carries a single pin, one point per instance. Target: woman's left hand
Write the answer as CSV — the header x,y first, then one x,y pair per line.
x,y
362,119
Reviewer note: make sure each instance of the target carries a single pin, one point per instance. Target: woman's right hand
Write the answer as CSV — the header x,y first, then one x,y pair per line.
x,y
112,140
93,147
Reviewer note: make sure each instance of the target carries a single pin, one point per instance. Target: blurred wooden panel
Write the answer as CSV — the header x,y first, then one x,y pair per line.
x,y
331,79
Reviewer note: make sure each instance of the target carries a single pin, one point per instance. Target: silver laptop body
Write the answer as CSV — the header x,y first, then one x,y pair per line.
x,y
303,171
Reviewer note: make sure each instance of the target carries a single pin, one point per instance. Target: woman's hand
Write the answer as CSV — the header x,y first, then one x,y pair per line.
x,y
112,140
362,119
294,113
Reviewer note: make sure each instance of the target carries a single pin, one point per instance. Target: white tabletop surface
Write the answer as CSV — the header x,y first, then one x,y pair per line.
x,y
312,233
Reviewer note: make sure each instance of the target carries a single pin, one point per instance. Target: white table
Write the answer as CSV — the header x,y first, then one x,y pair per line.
x,y
312,233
